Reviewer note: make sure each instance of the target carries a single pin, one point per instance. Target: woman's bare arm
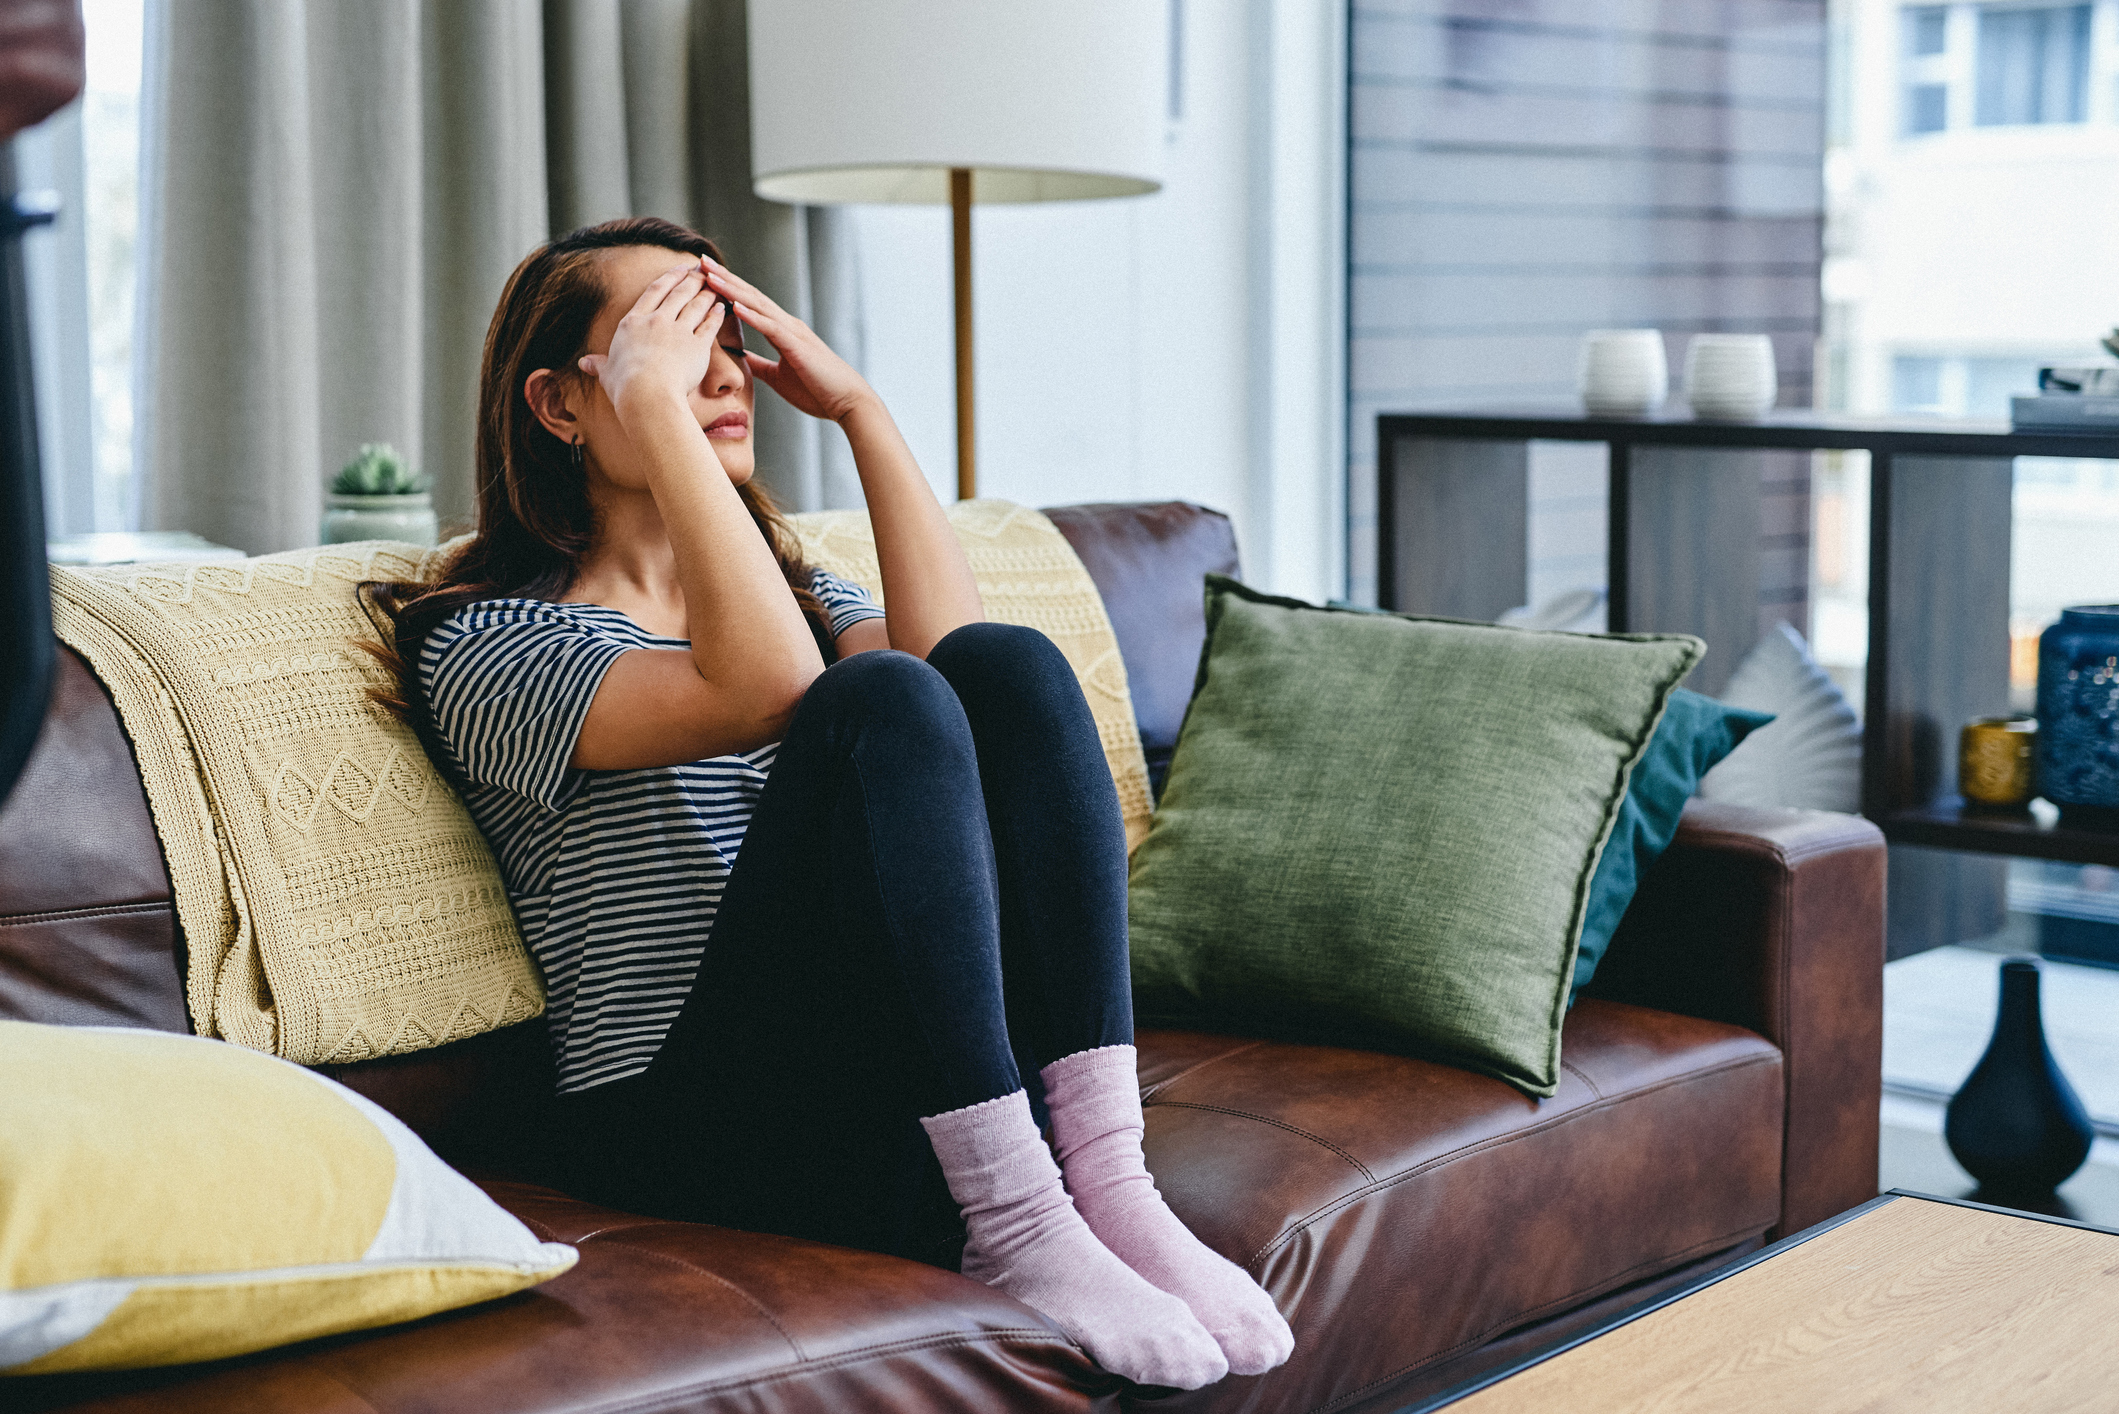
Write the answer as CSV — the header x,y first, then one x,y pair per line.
x,y
752,656
927,585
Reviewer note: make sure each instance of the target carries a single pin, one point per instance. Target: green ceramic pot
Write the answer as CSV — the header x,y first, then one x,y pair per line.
x,y
409,518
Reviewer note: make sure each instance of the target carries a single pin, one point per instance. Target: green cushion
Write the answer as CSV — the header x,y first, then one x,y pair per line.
x,y
1696,732
1381,831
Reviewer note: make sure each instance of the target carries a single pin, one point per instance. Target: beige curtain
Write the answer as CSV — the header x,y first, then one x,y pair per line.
x,y
338,189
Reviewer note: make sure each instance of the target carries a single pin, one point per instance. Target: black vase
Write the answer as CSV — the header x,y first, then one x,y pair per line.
x,y
2016,1124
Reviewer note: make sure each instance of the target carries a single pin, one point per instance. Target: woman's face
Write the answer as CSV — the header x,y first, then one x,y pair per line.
x,y
721,401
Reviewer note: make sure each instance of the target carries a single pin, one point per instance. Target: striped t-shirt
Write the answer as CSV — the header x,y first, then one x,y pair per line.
x,y
615,875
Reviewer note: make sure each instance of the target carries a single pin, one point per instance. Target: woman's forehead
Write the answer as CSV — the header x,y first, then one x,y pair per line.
x,y
630,269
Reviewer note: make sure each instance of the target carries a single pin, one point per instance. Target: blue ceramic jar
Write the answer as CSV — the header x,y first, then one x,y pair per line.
x,y
2078,712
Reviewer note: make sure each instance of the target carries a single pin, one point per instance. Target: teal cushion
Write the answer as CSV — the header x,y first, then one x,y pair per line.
x,y
1382,830
1696,732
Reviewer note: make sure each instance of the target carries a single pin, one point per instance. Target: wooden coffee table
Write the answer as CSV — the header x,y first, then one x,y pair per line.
x,y
1906,1303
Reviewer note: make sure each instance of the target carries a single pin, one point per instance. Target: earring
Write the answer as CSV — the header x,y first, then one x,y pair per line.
x,y
580,457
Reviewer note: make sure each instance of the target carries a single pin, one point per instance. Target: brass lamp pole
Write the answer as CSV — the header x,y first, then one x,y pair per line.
x,y
967,473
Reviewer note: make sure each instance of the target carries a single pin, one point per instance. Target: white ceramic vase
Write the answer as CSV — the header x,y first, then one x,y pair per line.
x,y
1730,377
1623,372
408,518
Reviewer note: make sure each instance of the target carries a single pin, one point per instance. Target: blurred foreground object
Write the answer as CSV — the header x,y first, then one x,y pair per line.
x,y
41,70
42,65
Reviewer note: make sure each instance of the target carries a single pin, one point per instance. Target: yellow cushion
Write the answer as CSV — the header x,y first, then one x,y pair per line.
x,y
170,1199
1028,574
337,901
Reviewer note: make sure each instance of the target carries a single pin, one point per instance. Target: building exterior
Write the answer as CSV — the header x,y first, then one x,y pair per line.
x,y
1972,186
1972,183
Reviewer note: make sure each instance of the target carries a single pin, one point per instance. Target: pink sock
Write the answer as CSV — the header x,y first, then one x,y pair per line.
x,y
1094,1097
1027,1239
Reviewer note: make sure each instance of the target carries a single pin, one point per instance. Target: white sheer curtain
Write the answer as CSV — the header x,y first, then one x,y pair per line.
x,y
336,192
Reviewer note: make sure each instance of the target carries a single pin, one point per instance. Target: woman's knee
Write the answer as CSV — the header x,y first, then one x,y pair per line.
x,y
1000,653
888,688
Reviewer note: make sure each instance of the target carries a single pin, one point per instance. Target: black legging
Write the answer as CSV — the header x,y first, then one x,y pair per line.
x,y
929,905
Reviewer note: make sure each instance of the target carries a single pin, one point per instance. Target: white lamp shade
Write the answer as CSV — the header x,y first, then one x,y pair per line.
x,y
876,100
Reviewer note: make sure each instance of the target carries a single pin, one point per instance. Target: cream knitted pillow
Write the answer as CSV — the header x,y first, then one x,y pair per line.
x,y
336,899
1028,574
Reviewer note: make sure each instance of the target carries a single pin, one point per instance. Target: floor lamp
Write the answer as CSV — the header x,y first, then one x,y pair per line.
x,y
953,102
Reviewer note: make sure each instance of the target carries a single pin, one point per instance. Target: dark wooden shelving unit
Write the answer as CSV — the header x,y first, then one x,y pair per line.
x,y
1682,551
1950,824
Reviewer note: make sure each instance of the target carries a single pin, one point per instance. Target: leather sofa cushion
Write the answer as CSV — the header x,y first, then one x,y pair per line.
x,y
656,1316
1402,1211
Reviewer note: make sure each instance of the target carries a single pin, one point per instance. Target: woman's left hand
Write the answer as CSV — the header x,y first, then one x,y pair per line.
x,y
807,374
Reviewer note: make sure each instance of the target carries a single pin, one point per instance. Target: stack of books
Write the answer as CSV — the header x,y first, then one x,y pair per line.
x,y
2070,400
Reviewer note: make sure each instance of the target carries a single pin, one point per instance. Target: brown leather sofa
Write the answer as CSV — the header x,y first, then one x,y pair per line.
x,y
1416,1223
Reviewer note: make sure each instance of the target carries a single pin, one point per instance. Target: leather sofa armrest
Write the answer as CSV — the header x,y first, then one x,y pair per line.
x,y
1774,920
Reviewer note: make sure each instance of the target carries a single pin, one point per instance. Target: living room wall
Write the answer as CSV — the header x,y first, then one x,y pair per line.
x,y
1184,345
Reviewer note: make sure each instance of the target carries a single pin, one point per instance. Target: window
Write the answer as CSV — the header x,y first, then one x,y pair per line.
x,y
1962,387
2033,65
1927,107
2004,65
81,280
1991,382
1924,43
1916,384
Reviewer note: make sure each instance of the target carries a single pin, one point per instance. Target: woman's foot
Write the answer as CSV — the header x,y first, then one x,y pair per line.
x,y
1027,1239
1094,1098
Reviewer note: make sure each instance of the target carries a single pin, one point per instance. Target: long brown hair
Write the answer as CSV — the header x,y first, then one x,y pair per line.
x,y
535,520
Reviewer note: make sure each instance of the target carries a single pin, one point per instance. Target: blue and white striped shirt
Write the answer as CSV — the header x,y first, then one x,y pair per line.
x,y
615,875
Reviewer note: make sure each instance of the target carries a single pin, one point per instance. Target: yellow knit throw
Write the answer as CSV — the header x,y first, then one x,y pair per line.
x,y
337,901
1027,574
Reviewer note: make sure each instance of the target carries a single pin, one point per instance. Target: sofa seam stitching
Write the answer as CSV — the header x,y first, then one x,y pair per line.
x,y
1575,1071
1196,1067
1498,1141
1317,1139
64,915
614,1228
1776,851
543,1231
755,1303
659,1399
328,1373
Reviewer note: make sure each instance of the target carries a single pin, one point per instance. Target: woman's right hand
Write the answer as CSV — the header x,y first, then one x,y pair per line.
x,y
661,348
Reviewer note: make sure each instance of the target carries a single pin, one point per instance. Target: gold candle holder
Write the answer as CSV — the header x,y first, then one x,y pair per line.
x,y
1996,761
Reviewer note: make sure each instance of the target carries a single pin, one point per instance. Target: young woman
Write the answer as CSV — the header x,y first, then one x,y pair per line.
x,y
805,928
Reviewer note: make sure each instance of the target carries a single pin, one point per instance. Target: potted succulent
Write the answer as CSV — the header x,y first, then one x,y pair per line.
x,y
377,497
